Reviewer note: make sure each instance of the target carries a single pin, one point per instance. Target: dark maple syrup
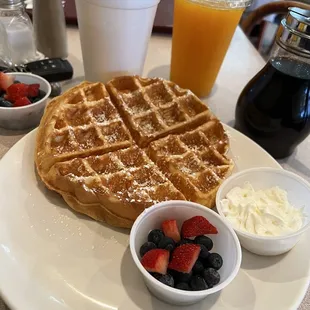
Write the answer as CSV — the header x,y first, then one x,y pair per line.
x,y
274,108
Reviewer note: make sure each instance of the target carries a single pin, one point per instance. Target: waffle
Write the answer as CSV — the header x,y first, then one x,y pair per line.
x,y
192,163
154,108
81,122
124,183
112,151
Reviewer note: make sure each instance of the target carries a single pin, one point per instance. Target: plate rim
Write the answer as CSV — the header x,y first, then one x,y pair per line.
x,y
235,131
5,295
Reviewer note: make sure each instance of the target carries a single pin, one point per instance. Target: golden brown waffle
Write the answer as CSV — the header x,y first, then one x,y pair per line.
x,y
123,183
154,108
192,163
81,122
90,140
216,135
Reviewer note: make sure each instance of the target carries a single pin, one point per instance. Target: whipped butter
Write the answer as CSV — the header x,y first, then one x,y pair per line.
x,y
262,212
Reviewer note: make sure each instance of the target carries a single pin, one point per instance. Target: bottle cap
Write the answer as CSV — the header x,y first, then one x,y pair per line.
x,y
294,32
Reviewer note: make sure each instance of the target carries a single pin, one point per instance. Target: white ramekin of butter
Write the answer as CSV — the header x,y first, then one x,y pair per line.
x,y
268,208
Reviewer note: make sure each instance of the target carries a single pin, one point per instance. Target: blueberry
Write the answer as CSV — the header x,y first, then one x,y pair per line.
x,y
147,246
181,276
166,279
35,99
155,236
211,276
16,82
183,286
40,96
184,241
6,104
206,241
198,267
167,244
204,253
42,93
197,283
214,260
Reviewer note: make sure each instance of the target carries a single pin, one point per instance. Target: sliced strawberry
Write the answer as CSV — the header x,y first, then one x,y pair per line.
x,y
6,80
21,102
197,226
170,229
33,90
184,257
16,91
156,260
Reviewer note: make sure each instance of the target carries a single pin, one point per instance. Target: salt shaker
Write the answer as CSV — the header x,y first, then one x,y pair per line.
x,y
17,45
50,28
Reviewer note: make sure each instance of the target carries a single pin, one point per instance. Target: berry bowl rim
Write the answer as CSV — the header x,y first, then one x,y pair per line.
x,y
283,172
39,78
173,290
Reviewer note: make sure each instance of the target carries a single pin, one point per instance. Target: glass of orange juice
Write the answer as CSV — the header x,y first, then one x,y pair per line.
x,y
202,32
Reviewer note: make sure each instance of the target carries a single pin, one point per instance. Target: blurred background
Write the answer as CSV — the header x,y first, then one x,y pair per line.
x,y
262,33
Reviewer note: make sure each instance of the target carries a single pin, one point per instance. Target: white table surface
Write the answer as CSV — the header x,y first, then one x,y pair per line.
x,y
241,63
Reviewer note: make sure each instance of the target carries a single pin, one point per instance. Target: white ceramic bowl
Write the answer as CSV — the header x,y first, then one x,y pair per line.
x,y
262,178
225,243
28,116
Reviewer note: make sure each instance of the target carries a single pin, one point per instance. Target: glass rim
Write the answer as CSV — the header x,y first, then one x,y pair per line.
x,y
223,4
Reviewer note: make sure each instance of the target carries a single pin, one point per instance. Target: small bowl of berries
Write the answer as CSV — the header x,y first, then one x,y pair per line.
x,y
23,97
184,251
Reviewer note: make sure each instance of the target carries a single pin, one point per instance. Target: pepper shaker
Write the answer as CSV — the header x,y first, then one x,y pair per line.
x,y
50,28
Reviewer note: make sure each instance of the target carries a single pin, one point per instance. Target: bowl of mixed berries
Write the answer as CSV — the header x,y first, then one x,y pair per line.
x,y
23,97
184,251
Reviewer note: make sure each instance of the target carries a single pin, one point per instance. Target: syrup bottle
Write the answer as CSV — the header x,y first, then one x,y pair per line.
x,y
274,107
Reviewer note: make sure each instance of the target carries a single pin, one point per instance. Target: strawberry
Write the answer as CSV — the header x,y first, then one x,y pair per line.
x,y
21,102
184,257
16,91
156,260
33,90
170,229
197,226
6,80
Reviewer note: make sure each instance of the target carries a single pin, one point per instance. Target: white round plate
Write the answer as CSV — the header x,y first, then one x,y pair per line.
x,y
53,258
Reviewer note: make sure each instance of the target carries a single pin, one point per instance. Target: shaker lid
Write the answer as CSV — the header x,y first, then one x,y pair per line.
x,y
294,32
8,4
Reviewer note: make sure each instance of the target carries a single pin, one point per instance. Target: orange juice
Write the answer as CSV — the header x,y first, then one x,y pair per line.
x,y
201,37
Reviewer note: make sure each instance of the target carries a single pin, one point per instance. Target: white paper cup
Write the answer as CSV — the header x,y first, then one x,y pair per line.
x,y
114,36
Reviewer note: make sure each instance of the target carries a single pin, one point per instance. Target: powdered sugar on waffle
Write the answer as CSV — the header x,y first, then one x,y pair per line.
x,y
114,152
